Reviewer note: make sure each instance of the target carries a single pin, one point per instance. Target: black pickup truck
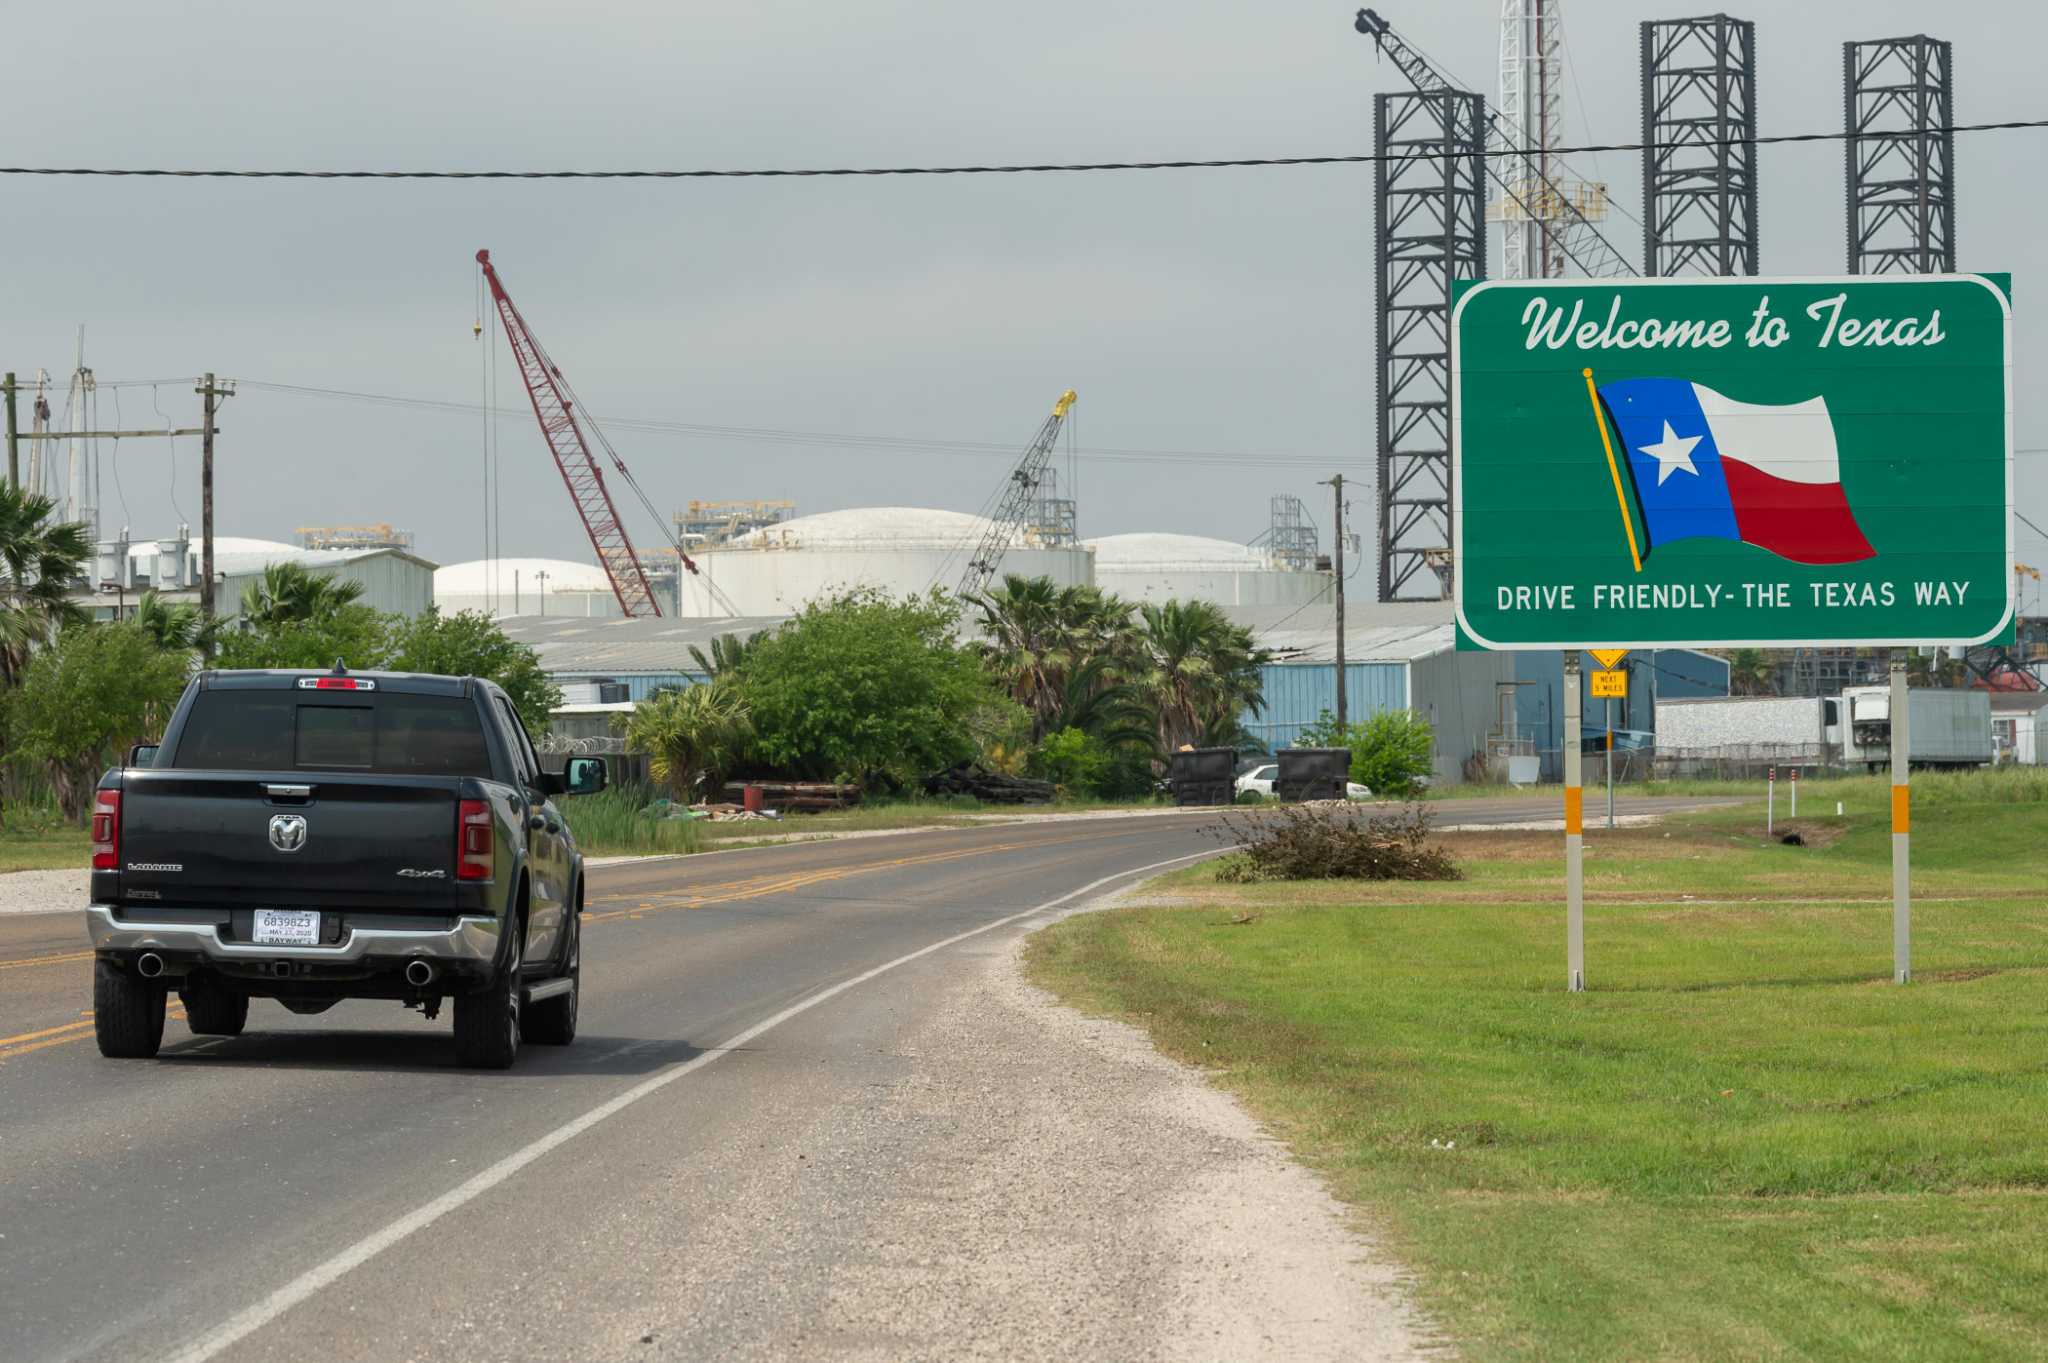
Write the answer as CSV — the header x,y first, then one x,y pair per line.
x,y
313,837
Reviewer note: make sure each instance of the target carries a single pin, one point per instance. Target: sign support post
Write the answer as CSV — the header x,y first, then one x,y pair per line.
x,y
1574,832
1610,764
1902,806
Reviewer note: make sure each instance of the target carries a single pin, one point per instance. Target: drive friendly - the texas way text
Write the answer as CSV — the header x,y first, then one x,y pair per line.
x,y
1707,595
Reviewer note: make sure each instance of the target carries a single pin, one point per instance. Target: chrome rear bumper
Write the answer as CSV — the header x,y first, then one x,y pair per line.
x,y
472,941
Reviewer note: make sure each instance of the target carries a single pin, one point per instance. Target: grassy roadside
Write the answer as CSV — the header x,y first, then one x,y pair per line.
x,y
1744,1143
32,842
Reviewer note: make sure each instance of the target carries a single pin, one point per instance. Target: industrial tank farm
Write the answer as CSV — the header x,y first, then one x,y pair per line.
x,y
1162,567
898,550
525,586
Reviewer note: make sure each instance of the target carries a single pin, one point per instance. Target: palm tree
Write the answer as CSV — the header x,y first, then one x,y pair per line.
x,y
690,736
1750,672
729,653
1198,669
175,628
40,559
1039,636
287,593
1101,703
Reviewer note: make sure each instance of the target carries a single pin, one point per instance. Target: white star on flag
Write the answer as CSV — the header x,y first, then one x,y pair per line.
x,y
1673,452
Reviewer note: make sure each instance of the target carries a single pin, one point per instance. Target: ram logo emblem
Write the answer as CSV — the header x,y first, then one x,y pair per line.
x,y
287,832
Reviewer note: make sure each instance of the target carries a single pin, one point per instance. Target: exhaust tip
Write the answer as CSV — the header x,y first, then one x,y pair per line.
x,y
149,965
419,974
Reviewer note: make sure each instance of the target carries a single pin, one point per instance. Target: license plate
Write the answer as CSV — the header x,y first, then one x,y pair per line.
x,y
287,928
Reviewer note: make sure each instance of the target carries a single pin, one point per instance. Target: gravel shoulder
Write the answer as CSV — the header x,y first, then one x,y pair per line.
x,y
1036,1184
63,891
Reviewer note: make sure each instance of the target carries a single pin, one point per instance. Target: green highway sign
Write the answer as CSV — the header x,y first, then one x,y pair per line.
x,y
1732,462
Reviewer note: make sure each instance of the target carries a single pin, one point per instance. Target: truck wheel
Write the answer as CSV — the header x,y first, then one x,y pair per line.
x,y
214,1012
127,1013
487,1021
552,1022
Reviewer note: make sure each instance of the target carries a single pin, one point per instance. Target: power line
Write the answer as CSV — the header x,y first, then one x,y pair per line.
x,y
1030,169
833,439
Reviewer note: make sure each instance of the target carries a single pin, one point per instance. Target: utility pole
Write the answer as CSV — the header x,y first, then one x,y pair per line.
x,y
213,393
13,435
1337,566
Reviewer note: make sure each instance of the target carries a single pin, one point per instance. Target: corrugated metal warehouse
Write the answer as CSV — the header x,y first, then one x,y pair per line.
x,y
644,656
394,581
1397,656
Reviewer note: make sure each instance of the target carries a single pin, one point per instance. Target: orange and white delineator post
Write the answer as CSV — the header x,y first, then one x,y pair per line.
x,y
1902,822
1574,831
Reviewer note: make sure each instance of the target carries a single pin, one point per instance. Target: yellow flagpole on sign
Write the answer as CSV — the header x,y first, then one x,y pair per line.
x,y
1614,471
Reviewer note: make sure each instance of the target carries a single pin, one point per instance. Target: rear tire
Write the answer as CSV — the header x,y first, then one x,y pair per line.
x,y
127,1013
212,1011
552,1022
487,1021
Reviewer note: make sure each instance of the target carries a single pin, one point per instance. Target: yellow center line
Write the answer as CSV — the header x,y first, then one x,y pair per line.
x,y
749,888
12,1046
57,959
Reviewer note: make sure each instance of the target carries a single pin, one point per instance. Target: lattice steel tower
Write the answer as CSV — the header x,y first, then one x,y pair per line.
x,y
1898,99
1535,203
1699,177
1429,199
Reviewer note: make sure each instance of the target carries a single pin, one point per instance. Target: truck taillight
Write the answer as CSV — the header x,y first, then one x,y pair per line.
x,y
106,830
475,840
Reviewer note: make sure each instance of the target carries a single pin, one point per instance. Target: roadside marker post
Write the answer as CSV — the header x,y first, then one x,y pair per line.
x,y
1770,801
1574,833
1902,822
1795,792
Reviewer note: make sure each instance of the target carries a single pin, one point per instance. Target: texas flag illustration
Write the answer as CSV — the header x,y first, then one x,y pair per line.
x,y
1707,466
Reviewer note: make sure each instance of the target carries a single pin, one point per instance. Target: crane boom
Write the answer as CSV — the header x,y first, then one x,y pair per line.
x,y
1018,496
1576,238
555,408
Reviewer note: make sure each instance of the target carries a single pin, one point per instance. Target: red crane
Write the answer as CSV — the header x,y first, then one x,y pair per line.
x,y
554,406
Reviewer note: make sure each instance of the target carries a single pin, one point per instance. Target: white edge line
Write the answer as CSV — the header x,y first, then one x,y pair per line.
x,y
246,1322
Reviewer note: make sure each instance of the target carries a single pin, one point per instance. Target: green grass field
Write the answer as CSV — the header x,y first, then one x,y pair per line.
x,y
36,840
1743,1143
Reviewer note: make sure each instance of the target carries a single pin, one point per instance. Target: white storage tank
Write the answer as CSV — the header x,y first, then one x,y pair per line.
x,y
1166,567
900,550
527,586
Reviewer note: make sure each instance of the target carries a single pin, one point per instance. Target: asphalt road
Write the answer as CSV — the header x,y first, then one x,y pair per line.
x,y
336,1187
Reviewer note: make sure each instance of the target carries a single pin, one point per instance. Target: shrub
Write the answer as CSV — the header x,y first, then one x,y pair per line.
x,y
1325,842
1073,760
1392,752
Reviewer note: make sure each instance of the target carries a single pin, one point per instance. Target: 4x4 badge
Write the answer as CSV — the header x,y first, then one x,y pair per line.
x,y
287,832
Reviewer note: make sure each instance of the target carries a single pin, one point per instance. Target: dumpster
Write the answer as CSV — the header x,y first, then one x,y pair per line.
x,y
1203,776
1312,773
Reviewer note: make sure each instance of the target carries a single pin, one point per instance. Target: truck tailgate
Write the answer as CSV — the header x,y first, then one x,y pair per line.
x,y
377,843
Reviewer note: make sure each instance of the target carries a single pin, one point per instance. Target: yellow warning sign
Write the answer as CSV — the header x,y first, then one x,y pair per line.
x,y
1608,657
1610,686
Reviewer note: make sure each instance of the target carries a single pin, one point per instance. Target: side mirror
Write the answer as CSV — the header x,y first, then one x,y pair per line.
x,y
142,755
583,776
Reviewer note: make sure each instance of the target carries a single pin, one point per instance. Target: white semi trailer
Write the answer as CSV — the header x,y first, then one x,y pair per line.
x,y
1943,729
1794,729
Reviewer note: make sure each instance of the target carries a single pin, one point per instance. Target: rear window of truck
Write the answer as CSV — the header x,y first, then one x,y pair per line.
x,y
387,734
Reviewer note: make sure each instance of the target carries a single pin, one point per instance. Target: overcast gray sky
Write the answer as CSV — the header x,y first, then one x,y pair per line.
x,y
1210,310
